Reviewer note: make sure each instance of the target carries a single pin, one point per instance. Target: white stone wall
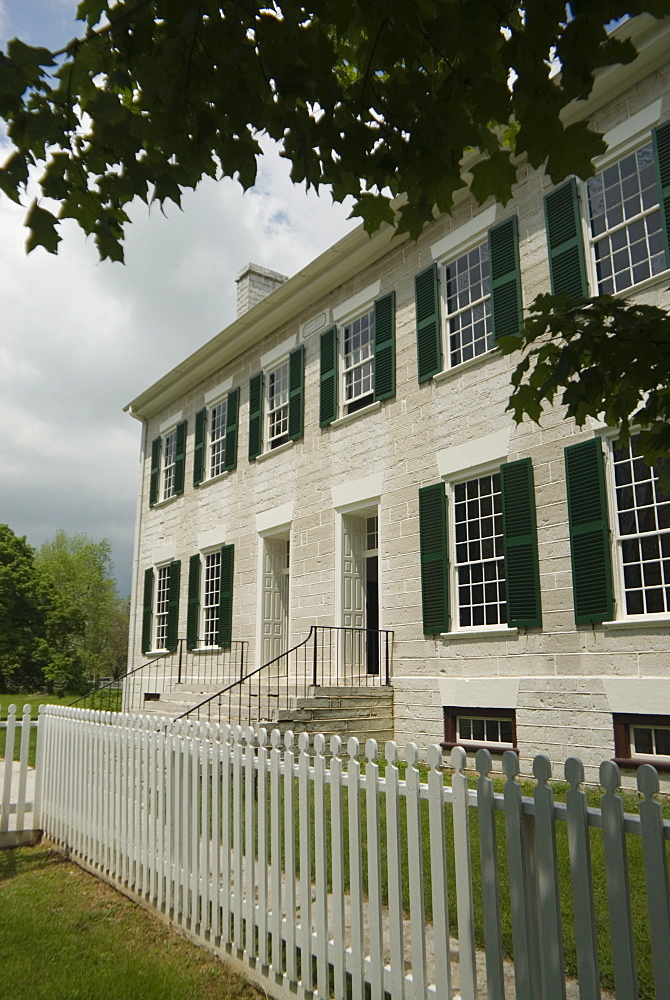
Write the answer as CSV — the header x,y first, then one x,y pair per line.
x,y
561,706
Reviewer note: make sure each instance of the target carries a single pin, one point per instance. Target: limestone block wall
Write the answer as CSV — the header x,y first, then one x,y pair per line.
x,y
391,450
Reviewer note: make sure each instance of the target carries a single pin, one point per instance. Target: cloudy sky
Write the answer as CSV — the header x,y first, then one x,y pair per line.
x,y
79,339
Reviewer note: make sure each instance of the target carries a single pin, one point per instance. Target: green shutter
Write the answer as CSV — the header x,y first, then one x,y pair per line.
x,y
255,416
147,610
434,558
199,447
428,329
662,157
180,458
226,596
193,608
589,532
328,377
155,470
505,278
564,239
232,423
173,606
522,572
296,384
385,347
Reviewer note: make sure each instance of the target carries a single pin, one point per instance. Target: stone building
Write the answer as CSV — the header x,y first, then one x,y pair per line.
x,y
341,455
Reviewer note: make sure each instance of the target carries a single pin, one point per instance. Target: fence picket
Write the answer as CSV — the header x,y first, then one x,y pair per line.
x,y
9,757
618,892
320,866
289,857
579,848
656,874
305,855
438,874
262,849
23,768
394,870
250,829
238,841
355,870
374,876
464,903
275,852
337,848
417,908
488,853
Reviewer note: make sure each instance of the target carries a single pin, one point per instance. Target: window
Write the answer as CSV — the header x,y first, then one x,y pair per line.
x,y
167,464
215,447
358,362
357,365
474,728
639,535
626,207
282,400
162,607
469,302
642,533
278,395
479,557
468,305
210,599
160,620
482,569
640,739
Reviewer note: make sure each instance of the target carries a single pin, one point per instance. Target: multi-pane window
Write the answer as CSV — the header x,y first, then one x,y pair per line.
x,y
625,222
217,438
477,729
278,391
162,604
169,464
480,564
643,532
468,297
358,366
372,533
211,598
650,741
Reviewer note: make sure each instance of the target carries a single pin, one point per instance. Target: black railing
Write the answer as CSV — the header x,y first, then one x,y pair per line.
x,y
328,657
160,675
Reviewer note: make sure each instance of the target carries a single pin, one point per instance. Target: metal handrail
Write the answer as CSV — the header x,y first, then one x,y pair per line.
x,y
162,672
331,646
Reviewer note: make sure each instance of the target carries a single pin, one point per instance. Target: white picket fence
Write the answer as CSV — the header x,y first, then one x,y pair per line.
x,y
18,821
308,869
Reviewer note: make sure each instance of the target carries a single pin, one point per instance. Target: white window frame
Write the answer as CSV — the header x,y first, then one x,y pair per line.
x,y
455,607
618,575
161,607
167,471
205,608
483,301
622,140
282,408
354,403
463,240
220,441
590,241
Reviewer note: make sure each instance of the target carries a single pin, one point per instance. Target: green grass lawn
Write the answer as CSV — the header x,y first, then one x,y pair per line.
x,y
65,934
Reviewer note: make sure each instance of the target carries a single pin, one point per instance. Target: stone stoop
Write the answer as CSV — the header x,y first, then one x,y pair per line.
x,y
364,712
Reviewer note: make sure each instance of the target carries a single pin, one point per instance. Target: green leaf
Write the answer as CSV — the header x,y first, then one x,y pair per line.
x,y
27,55
493,176
43,233
574,152
374,210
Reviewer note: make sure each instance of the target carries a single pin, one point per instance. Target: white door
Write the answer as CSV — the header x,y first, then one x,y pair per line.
x,y
353,593
275,599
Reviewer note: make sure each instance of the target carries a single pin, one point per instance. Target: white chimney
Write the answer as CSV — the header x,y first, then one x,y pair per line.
x,y
253,284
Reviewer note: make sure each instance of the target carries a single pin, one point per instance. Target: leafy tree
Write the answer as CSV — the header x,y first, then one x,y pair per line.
x,y
374,100
22,614
84,607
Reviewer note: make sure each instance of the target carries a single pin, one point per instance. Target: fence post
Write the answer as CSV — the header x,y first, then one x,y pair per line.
x,y
488,852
